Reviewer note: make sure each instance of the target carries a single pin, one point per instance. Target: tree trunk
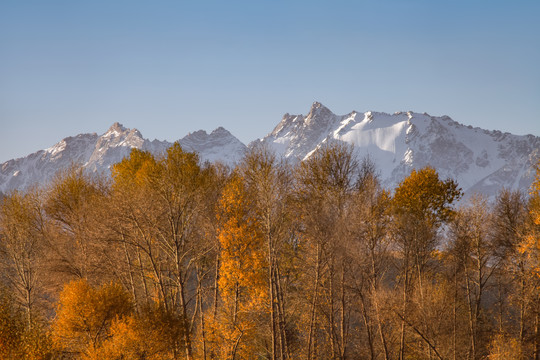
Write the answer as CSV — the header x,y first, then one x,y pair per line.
x,y
343,329
313,303
130,272
281,316
273,328
404,310
201,314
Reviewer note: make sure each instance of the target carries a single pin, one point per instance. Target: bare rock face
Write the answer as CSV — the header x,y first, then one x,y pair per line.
x,y
97,154
481,161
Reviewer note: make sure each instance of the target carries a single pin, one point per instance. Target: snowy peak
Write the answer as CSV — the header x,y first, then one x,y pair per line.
x,y
113,146
317,116
219,145
115,130
72,144
117,133
318,112
97,154
480,160
295,134
201,137
42,165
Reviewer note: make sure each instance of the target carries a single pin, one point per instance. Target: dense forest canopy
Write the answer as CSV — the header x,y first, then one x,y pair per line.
x,y
175,259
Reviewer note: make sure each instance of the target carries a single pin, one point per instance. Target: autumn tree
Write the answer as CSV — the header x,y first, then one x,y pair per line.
x,y
368,256
161,205
508,228
69,205
22,245
179,185
153,333
85,314
503,347
472,244
242,273
530,250
268,185
324,185
11,328
129,227
422,203
17,340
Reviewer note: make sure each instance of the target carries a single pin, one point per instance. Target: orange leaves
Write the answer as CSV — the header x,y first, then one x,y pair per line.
x,y
243,261
154,334
98,323
243,272
85,314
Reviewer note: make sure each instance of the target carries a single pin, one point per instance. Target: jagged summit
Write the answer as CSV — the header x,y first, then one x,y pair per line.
x,y
221,131
480,160
219,145
117,127
97,153
318,109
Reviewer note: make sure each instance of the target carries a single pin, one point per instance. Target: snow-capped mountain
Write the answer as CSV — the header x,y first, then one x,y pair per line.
x,y
480,160
98,153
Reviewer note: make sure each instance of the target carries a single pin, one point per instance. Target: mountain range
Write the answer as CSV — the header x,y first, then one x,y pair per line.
x,y
481,161
97,153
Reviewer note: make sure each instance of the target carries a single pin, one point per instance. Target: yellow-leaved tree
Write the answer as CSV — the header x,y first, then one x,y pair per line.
x,y
154,333
422,203
70,203
22,243
160,207
530,248
85,314
243,279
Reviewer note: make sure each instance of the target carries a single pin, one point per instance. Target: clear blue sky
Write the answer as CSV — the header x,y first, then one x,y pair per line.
x,y
173,67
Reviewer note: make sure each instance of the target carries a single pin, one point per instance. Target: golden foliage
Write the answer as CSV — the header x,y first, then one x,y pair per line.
x,y
85,314
243,260
530,246
133,170
153,334
243,273
16,340
423,194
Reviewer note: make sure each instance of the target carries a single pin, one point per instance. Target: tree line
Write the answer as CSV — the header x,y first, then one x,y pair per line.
x,y
172,258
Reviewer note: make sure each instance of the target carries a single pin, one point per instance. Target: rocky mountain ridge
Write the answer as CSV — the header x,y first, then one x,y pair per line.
x,y
97,153
480,160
